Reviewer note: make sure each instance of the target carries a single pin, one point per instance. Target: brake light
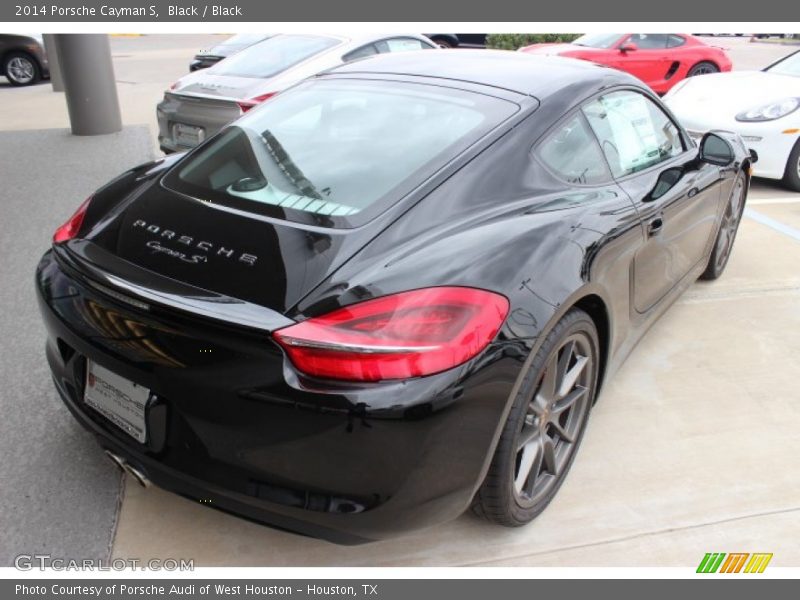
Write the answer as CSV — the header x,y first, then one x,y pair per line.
x,y
410,334
70,229
245,105
173,86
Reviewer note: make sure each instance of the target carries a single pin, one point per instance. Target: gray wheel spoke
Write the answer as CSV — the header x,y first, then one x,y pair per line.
x,y
564,360
549,456
528,435
571,377
536,407
531,457
568,400
562,433
547,390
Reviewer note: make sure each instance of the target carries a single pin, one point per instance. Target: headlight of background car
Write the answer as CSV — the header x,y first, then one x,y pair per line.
x,y
771,111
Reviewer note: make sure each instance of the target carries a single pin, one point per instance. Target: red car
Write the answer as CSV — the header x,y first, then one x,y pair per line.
x,y
659,59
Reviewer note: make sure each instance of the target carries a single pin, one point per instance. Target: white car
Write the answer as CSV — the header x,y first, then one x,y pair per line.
x,y
201,103
761,106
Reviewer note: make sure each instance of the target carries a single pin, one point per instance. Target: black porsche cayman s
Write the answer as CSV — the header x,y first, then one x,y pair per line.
x,y
388,294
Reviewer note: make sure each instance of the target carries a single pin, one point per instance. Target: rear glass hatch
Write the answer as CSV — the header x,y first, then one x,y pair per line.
x,y
335,153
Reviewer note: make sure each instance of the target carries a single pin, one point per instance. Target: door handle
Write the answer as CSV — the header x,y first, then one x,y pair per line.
x,y
655,226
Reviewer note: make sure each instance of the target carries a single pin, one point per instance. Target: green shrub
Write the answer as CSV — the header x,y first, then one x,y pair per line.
x,y
514,41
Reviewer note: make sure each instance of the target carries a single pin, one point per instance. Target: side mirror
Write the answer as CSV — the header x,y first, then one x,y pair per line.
x,y
716,150
628,47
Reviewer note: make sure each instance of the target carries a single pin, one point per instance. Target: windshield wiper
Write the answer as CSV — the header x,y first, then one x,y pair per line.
x,y
287,166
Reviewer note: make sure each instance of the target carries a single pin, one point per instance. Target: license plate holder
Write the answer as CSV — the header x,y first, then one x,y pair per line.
x,y
119,400
187,135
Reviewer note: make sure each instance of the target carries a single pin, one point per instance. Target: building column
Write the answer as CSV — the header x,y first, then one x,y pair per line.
x,y
89,85
52,61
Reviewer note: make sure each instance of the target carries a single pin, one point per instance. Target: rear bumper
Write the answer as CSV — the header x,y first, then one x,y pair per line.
x,y
240,429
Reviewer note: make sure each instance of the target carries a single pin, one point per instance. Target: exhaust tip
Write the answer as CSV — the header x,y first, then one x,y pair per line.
x,y
140,477
117,460
126,467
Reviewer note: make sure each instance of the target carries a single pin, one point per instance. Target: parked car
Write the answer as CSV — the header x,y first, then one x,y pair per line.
x,y
22,58
659,59
232,45
459,40
391,292
762,106
201,103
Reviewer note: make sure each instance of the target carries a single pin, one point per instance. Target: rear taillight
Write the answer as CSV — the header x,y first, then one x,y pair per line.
x,y
410,334
173,86
246,105
70,229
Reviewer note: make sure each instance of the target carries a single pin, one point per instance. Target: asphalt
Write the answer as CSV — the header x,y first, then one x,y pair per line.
x,y
58,494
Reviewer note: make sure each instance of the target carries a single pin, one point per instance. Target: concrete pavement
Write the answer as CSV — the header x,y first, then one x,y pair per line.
x,y
58,494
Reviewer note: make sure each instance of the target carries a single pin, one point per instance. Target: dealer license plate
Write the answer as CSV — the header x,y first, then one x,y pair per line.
x,y
119,400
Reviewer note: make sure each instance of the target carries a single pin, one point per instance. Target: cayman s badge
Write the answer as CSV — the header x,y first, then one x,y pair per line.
x,y
190,243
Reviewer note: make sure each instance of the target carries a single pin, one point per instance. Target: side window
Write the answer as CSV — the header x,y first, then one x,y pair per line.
x,y
649,41
402,45
634,133
572,153
362,52
673,41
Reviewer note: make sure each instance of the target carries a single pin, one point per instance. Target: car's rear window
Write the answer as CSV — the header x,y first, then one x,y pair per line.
x,y
273,56
337,152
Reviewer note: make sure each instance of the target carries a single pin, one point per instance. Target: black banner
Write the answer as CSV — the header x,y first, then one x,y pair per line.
x,y
181,11
731,588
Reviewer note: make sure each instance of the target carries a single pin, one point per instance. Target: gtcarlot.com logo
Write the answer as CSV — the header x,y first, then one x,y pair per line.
x,y
28,562
734,562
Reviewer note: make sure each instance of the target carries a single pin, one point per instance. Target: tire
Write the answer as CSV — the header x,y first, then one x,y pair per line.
x,y
21,69
726,235
703,68
791,177
508,496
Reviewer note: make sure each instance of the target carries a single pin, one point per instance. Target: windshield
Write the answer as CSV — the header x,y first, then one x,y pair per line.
x,y
273,56
598,40
329,152
788,66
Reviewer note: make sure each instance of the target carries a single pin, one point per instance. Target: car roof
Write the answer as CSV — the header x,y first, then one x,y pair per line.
x,y
357,39
531,75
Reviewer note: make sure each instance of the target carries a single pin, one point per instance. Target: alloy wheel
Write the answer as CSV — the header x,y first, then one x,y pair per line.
x,y
730,223
553,419
702,70
21,69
